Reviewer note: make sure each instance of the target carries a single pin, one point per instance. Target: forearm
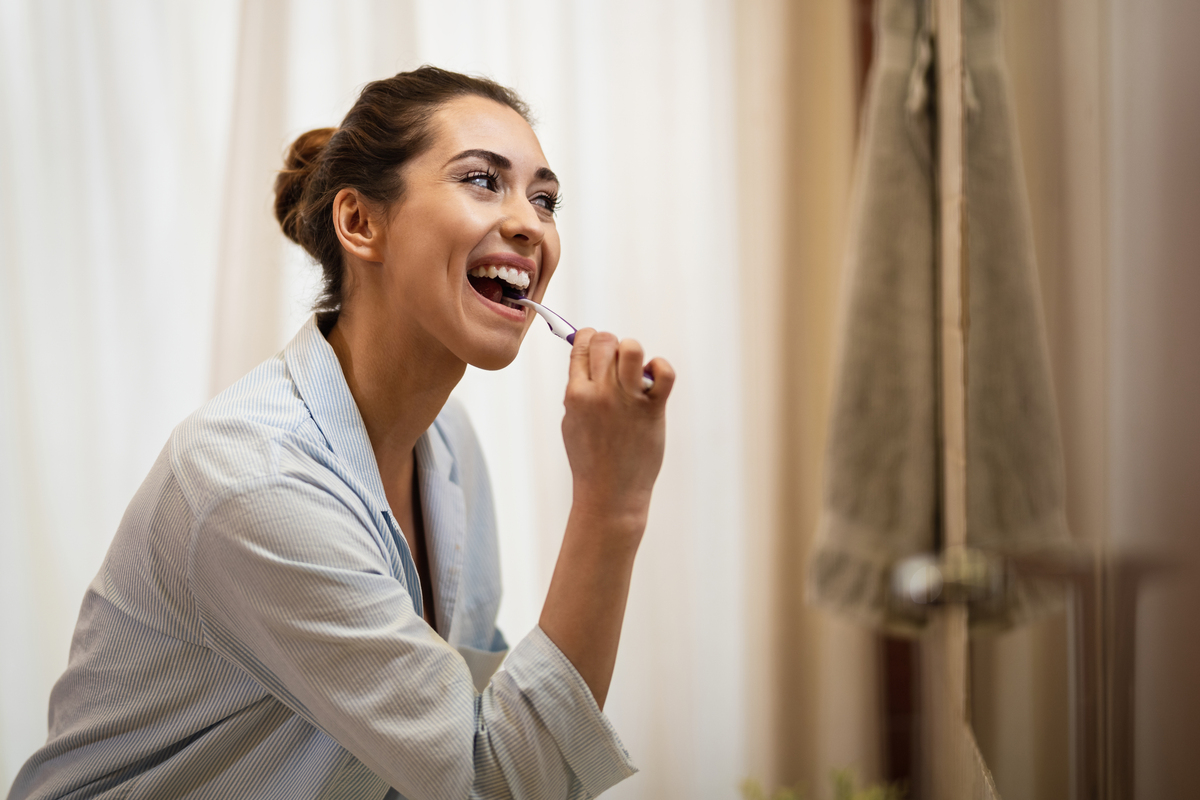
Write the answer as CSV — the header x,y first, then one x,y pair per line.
x,y
585,607
614,431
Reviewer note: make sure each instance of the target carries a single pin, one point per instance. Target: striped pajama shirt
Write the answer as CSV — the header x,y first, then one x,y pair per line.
x,y
256,628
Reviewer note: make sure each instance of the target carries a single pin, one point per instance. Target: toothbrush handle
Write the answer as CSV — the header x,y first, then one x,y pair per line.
x,y
557,330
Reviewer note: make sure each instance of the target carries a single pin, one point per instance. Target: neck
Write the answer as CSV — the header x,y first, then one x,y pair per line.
x,y
399,380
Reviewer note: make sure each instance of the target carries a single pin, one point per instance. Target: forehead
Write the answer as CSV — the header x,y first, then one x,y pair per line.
x,y
472,122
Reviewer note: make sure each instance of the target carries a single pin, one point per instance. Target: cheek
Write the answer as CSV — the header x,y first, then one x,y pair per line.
x,y
440,237
551,251
460,233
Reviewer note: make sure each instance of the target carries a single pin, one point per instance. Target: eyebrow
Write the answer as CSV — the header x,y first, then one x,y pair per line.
x,y
501,162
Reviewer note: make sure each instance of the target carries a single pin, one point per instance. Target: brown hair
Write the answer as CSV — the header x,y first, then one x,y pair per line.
x,y
388,125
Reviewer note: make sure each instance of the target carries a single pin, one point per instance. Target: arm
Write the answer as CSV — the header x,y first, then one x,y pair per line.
x,y
614,435
294,588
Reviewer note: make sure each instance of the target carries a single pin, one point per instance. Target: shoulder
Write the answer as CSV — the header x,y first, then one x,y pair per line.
x,y
247,432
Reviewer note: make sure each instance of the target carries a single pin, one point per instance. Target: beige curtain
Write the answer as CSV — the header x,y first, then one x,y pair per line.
x,y
813,703
1104,94
1020,681
1104,100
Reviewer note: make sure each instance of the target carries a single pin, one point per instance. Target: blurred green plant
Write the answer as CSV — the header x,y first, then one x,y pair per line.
x,y
843,789
753,790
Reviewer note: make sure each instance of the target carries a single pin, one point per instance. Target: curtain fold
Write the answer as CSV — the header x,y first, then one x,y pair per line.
x,y
112,141
249,280
812,699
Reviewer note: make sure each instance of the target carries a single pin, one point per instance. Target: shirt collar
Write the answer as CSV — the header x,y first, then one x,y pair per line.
x,y
317,373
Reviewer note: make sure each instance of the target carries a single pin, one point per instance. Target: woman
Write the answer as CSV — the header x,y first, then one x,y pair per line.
x,y
301,599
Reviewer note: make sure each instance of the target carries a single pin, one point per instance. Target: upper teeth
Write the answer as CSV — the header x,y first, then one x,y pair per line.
x,y
510,275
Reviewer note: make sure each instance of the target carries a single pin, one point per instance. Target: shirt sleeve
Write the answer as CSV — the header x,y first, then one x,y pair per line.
x,y
293,587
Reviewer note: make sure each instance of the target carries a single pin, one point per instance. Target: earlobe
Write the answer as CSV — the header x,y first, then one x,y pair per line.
x,y
356,226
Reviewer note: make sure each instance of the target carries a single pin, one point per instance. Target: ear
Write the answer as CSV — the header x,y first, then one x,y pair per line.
x,y
359,228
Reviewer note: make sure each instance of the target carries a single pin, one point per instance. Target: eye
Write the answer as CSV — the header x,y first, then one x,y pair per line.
x,y
484,179
548,201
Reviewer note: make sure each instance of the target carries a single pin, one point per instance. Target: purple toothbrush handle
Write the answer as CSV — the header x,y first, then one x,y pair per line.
x,y
559,327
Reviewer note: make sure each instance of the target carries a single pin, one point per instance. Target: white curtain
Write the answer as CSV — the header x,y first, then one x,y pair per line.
x,y
113,129
142,272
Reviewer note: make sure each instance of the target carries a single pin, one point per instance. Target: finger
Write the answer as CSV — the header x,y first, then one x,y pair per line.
x,y
629,366
664,378
580,363
602,355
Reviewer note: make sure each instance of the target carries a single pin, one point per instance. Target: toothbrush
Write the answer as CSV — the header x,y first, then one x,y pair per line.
x,y
566,331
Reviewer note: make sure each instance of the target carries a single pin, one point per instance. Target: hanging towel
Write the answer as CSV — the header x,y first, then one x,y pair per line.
x,y
880,502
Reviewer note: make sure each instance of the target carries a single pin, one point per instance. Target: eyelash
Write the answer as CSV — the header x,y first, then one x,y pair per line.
x,y
492,177
553,201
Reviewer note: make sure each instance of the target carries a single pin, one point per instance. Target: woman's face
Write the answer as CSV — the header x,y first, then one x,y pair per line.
x,y
481,196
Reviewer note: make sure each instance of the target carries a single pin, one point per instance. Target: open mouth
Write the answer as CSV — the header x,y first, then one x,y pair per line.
x,y
499,284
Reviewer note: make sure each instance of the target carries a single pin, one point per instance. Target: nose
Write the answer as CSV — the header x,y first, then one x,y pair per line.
x,y
521,222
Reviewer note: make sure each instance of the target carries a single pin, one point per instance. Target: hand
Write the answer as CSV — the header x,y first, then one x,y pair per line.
x,y
613,430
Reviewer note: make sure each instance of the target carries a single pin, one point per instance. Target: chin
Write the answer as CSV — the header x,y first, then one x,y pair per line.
x,y
493,363
495,355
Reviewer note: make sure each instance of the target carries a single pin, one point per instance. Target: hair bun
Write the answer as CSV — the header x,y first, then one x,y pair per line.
x,y
299,163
